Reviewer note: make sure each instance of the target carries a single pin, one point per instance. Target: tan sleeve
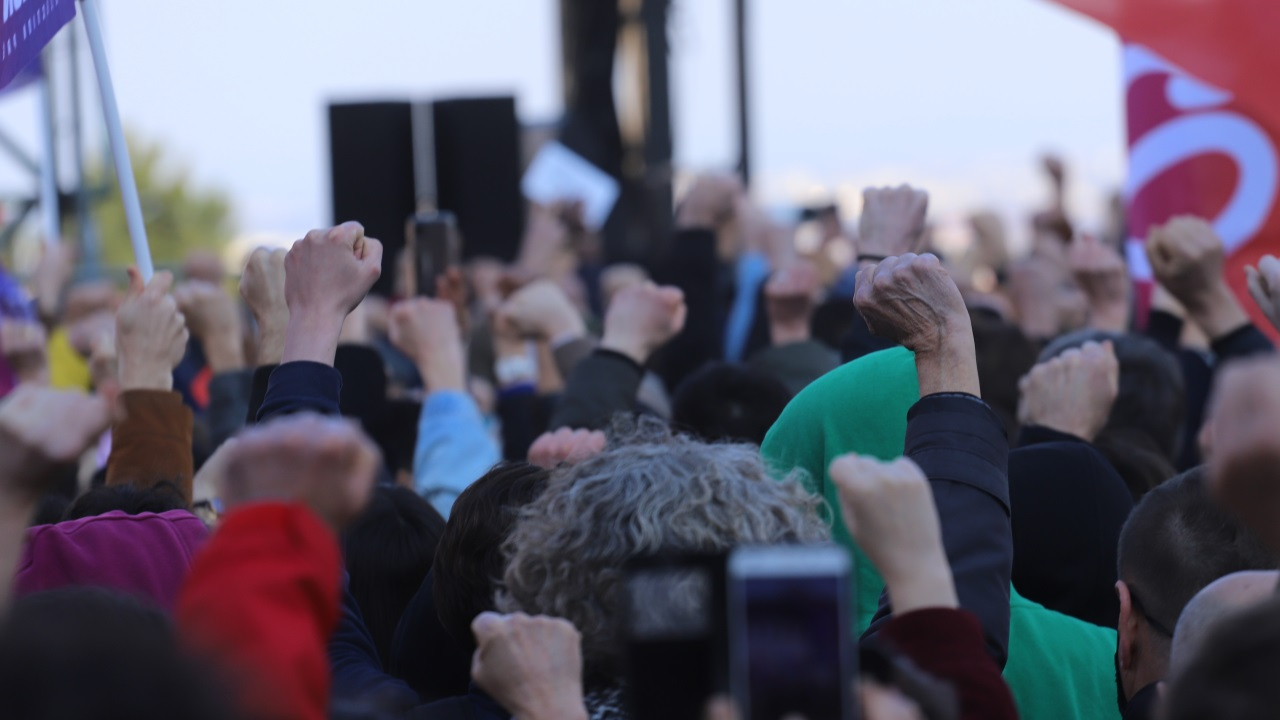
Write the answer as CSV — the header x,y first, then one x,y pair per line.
x,y
152,444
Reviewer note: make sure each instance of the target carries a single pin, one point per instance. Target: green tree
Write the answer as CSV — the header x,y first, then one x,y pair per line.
x,y
180,216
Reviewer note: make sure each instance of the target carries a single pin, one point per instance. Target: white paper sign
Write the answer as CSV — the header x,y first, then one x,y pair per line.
x,y
558,173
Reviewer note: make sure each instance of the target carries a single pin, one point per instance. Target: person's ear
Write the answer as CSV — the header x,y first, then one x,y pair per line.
x,y
1127,627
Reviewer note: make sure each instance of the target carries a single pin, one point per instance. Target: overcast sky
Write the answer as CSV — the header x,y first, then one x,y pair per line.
x,y
960,97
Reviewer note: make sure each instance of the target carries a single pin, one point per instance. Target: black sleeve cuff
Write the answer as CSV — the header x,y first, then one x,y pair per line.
x,y
1243,341
620,357
957,437
1039,435
1165,328
302,386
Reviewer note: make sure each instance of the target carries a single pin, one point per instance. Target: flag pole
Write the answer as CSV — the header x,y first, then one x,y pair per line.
x,y
50,220
115,134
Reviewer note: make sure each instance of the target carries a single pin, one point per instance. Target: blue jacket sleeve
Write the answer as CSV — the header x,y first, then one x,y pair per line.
x,y
302,386
961,446
454,448
752,272
357,672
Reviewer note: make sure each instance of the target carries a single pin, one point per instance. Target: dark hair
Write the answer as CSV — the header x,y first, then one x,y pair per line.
x,y
831,321
1232,677
90,652
133,501
723,401
1004,355
1143,433
469,559
389,550
1177,541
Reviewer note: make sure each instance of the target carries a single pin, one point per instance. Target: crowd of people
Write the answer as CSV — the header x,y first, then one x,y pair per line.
x,y
1061,496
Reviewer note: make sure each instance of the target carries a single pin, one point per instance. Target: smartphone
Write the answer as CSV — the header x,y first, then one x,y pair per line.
x,y
791,644
434,245
676,650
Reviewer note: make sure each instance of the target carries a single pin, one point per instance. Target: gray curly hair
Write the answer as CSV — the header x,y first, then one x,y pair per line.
x,y
650,491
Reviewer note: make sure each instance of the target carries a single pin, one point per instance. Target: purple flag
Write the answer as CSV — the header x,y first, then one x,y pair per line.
x,y
26,26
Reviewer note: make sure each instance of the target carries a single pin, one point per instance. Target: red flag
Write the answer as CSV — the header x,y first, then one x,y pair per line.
x,y
1204,121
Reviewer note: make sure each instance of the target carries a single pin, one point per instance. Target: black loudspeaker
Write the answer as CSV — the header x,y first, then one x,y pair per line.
x,y
372,164
390,159
477,163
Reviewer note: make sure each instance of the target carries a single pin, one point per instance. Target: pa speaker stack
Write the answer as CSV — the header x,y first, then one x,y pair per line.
x,y
390,159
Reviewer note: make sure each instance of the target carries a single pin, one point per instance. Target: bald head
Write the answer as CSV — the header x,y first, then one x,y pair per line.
x,y
1222,597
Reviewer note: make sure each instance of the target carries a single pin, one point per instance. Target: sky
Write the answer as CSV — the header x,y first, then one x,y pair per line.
x,y
958,97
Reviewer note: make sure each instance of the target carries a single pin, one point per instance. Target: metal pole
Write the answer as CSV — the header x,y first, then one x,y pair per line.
x,y
744,126
119,149
50,219
89,255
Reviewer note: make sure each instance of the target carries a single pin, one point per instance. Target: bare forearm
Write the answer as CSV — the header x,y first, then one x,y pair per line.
x,y
953,368
312,338
1217,314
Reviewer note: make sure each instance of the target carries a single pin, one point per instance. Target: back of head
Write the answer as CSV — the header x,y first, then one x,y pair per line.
x,y
649,493
131,500
1233,676
723,401
1152,391
1004,356
82,652
389,551
1221,599
469,558
1177,541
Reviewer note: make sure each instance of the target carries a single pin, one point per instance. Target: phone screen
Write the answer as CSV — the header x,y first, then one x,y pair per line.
x,y
435,246
793,647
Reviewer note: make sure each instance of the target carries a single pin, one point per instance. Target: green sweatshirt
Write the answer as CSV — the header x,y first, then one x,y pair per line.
x,y
1059,668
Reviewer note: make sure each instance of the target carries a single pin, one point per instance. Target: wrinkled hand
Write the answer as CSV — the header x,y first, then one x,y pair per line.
x,y
541,310
1186,257
427,331
1073,392
531,665
151,334
1264,286
262,287
913,301
1245,419
642,319
889,509
25,348
42,428
892,221
213,317
566,446
1103,276
327,463
790,297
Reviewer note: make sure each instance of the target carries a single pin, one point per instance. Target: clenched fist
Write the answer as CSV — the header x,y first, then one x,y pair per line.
x,y
41,428
531,665
327,463
888,506
262,287
1264,286
642,318
151,334
1186,256
892,221
1073,392
329,272
911,300
1104,278
213,317
543,311
427,331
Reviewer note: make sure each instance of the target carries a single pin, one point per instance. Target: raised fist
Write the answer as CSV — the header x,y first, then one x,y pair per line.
x,y
642,318
427,331
41,428
888,507
329,272
262,287
327,463
25,348
213,317
531,665
1186,256
1264,286
1103,276
151,334
911,300
710,203
892,221
1073,392
565,446
542,310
